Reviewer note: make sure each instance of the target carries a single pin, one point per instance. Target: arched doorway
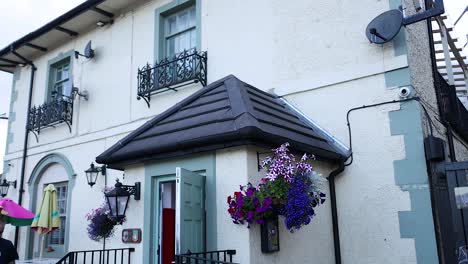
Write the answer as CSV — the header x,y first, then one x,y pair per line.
x,y
56,169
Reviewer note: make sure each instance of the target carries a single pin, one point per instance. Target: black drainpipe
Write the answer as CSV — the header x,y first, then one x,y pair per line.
x,y
25,146
334,210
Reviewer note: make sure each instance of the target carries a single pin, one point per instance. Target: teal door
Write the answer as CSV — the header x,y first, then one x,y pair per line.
x,y
190,211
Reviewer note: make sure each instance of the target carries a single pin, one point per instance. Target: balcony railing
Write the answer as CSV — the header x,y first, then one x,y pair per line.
x,y
116,256
184,68
50,114
209,257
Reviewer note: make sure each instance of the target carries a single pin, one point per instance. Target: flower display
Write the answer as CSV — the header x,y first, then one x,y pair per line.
x,y
291,189
101,223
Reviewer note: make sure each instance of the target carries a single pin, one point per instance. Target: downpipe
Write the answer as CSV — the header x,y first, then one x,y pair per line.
x,y
334,211
25,147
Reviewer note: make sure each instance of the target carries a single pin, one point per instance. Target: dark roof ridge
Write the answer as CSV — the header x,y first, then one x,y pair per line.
x,y
250,117
164,115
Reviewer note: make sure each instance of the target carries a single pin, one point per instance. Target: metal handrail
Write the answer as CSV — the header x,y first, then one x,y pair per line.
x,y
50,114
212,257
189,66
98,256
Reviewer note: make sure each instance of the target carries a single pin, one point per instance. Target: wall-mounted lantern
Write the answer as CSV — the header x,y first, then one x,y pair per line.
x,y
93,172
117,199
5,185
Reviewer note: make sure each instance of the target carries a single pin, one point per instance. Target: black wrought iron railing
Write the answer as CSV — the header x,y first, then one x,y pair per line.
x,y
184,68
51,114
209,257
451,108
115,256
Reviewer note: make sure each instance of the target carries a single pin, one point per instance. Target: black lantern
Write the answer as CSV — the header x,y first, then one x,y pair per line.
x,y
93,172
117,199
5,185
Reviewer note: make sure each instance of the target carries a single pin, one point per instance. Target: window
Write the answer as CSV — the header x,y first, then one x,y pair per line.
x,y
59,79
58,237
180,32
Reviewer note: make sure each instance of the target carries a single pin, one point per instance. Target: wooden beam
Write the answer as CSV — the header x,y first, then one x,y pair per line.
x,y
103,12
438,30
69,32
452,58
8,65
442,17
440,41
10,61
35,47
445,66
441,51
455,73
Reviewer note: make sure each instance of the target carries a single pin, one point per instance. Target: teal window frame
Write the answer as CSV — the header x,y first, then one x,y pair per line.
x,y
62,203
167,11
53,66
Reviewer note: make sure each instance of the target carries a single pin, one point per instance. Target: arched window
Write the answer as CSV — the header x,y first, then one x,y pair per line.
x,y
52,169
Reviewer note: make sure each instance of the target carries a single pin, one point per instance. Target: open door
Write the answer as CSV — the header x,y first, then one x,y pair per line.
x,y
190,211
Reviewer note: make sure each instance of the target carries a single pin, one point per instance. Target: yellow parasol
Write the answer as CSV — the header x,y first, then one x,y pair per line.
x,y
47,218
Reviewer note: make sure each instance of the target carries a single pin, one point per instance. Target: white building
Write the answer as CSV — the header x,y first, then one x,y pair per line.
x,y
313,55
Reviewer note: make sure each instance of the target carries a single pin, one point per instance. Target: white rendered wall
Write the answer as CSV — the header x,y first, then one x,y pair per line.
x,y
297,49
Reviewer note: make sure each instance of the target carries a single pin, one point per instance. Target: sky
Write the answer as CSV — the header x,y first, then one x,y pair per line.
x,y
24,16
19,17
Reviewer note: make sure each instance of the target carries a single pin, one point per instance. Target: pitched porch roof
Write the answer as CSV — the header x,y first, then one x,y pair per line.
x,y
224,114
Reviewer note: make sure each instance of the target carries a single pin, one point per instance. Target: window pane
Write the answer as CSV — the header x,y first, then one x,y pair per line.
x,y
170,44
65,72
184,41
171,25
183,21
193,17
58,237
180,32
58,75
193,38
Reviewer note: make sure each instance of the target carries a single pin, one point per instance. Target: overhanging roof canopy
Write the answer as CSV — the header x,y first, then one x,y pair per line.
x,y
60,30
223,114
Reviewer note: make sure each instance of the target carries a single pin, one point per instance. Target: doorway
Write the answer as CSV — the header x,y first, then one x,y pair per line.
x,y
179,214
167,221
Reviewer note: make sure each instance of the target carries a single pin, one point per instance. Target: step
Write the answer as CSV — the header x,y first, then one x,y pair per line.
x,y
452,58
438,30
440,41
455,73
441,51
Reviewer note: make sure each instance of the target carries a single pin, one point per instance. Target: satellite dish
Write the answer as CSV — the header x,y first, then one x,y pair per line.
x,y
384,27
89,52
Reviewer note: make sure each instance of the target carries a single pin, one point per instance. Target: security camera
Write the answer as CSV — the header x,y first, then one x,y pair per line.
x,y
405,92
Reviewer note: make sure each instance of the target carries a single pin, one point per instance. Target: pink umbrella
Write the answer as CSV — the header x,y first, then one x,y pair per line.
x,y
14,214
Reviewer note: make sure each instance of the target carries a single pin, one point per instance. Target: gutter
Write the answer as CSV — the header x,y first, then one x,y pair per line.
x,y
25,147
334,210
85,6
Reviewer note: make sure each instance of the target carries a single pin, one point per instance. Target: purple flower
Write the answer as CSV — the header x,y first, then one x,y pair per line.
x,y
250,216
255,201
260,221
250,192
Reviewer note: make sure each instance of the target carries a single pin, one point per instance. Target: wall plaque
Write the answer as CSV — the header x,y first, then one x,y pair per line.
x,y
131,235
